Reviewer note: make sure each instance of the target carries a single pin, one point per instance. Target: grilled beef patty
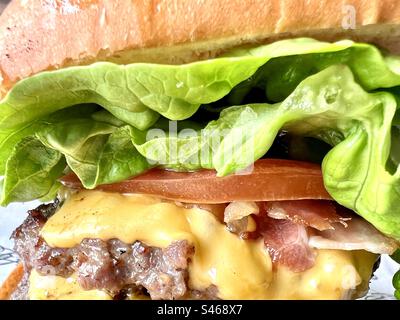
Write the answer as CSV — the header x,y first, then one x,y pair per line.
x,y
112,265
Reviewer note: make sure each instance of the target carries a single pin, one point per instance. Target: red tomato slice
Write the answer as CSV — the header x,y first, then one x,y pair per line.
x,y
270,180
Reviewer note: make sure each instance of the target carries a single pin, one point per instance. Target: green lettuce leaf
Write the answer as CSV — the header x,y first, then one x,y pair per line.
x,y
396,285
280,76
316,89
8,141
31,172
97,152
138,93
119,159
330,106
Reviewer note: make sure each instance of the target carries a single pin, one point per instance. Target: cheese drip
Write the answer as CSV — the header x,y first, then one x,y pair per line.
x,y
59,288
241,269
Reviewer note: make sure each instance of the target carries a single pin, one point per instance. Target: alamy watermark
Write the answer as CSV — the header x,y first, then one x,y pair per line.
x,y
213,146
349,20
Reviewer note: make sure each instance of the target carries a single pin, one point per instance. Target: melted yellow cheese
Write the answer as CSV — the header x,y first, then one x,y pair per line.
x,y
236,267
59,288
240,269
335,275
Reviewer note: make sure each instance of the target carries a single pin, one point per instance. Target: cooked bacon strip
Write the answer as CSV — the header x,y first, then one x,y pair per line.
x,y
286,242
318,214
358,235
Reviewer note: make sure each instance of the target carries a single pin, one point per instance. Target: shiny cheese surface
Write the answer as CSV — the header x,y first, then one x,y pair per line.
x,y
59,288
241,269
236,267
335,275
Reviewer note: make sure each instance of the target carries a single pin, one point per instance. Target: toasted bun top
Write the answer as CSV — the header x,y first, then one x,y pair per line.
x,y
47,34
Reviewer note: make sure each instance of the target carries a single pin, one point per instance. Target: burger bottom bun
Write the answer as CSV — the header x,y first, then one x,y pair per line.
x,y
11,283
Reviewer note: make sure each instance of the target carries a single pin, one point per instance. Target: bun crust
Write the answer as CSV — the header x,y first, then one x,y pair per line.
x,y
44,35
11,283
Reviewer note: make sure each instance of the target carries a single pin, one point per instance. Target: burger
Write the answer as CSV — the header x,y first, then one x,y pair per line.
x,y
200,149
